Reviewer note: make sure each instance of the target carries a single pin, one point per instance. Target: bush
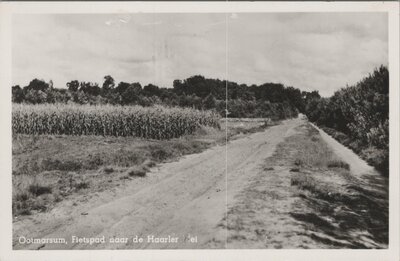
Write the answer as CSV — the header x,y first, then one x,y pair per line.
x,y
358,116
338,164
108,170
37,190
81,185
56,164
137,171
378,158
159,153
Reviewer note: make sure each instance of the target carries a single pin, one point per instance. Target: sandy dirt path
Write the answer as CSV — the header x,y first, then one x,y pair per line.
x,y
337,209
183,202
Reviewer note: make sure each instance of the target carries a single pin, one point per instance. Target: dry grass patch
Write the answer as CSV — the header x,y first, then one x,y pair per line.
x,y
313,159
338,164
336,208
66,165
30,194
137,171
108,170
47,169
313,152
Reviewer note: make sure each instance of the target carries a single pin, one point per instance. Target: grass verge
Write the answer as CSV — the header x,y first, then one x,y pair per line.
x,y
342,210
48,169
378,158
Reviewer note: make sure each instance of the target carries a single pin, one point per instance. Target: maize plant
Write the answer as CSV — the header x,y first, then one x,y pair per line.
x,y
146,122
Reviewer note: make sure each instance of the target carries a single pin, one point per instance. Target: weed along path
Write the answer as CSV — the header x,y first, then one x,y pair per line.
x,y
284,187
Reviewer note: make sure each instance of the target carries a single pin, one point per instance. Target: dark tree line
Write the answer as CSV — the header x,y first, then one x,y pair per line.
x,y
361,113
266,100
358,115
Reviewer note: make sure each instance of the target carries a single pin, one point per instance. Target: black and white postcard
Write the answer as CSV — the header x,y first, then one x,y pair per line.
x,y
249,131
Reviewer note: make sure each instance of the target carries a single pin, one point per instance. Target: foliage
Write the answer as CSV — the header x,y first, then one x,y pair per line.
x,y
361,112
266,100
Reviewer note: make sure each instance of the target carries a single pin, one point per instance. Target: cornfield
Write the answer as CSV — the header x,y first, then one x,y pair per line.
x,y
106,120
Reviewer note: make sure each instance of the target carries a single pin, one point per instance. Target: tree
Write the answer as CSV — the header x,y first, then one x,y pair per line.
x,y
17,94
80,97
37,85
108,84
295,98
151,90
266,100
179,88
35,96
122,87
73,86
90,88
131,94
210,102
136,87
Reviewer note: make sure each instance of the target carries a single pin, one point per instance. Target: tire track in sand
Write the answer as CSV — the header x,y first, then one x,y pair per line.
x,y
188,197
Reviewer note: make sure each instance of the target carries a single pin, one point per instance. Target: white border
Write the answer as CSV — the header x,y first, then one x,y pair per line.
x,y
6,11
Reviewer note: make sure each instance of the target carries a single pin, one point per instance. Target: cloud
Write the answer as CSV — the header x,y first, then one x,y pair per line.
x,y
310,51
322,51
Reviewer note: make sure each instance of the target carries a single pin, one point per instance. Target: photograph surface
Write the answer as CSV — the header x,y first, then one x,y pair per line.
x,y
200,130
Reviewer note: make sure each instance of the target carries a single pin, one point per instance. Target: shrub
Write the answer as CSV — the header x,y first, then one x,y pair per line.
x,y
304,182
108,170
137,171
56,164
38,190
159,154
81,185
338,164
22,196
378,158
359,115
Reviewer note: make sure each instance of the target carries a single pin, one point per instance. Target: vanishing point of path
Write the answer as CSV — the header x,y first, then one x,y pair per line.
x,y
220,198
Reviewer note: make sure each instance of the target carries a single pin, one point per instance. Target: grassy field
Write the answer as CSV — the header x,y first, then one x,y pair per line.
x,y
49,168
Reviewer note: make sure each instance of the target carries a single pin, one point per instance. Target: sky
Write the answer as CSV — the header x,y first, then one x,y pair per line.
x,y
309,51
